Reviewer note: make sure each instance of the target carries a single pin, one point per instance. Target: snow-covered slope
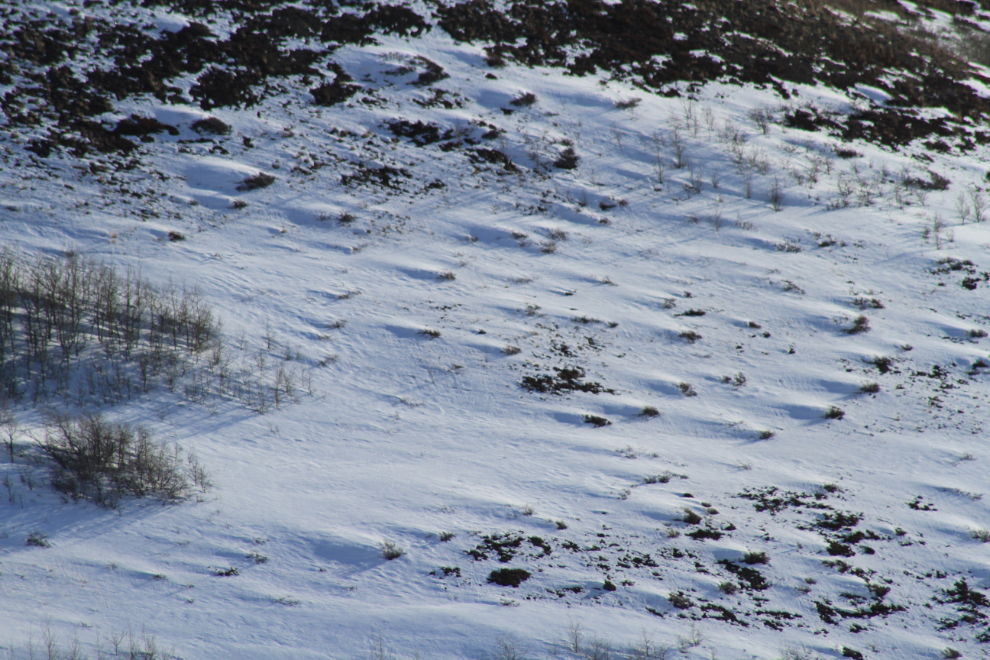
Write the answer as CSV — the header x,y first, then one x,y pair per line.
x,y
644,386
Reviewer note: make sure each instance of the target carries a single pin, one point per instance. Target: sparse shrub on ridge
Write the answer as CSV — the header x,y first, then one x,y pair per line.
x,y
690,517
82,332
259,180
596,421
728,588
391,551
680,600
567,160
38,540
755,557
860,325
524,100
834,412
210,125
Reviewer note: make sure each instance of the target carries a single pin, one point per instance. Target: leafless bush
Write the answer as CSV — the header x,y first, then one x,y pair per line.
x,y
567,160
8,427
524,100
776,196
678,142
210,125
860,325
105,461
979,205
981,535
259,180
834,412
647,649
83,332
693,639
762,117
628,104
391,551
962,208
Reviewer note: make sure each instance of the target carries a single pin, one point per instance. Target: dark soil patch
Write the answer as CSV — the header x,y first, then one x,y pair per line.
x,y
508,577
832,614
384,176
143,127
210,125
568,379
751,577
421,134
774,500
504,546
337,91
751,41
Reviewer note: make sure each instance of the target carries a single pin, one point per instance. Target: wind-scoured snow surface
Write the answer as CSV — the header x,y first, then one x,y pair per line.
x,y
484,330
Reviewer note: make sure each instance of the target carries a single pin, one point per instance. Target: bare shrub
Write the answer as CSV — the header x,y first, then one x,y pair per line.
x,y
776,196
756,557
391,551
979,205
981,535
524,100
259,180
567,160
762,117
690,516
105,461
834,412
8,427
680,600
86,333
38,540
596,420
661,478
210,125
628,104
690,641
860,325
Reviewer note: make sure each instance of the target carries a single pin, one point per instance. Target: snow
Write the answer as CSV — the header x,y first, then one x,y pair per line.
x,y
405,437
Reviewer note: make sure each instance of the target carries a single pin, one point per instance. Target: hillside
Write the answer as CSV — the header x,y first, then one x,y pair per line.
x,y
503,329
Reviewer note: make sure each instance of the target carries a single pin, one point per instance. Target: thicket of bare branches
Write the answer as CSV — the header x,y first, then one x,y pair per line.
x,y
105,461
82,331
